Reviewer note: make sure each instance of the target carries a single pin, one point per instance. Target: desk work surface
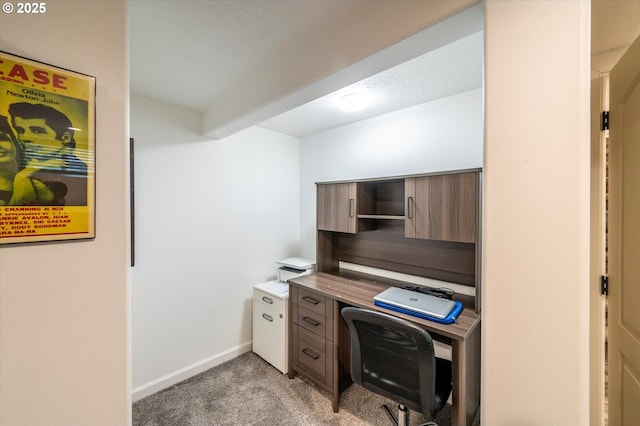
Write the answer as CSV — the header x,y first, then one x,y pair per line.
x,y
359,289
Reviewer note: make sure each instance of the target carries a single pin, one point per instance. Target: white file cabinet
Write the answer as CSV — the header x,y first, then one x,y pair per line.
x,y
270,315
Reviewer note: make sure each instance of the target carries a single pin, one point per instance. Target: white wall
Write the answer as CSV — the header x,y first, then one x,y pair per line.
x,y
535,316
445,134
64,320
212,217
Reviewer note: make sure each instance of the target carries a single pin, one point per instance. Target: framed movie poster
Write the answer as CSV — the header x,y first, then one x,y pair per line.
x,y
47,152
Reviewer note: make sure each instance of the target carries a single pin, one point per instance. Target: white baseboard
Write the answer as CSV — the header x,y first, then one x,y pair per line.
x,y
171,379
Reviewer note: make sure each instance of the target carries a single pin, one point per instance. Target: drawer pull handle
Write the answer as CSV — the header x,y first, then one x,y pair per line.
x,y
267,299
410,207
267,317
310,354
310,300
310,321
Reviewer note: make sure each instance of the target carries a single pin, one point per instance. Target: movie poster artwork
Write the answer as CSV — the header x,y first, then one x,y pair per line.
x,y
47,152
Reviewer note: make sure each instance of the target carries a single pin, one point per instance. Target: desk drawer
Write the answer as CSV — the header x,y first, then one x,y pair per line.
x,y
315,322
264,300
313,355
311,300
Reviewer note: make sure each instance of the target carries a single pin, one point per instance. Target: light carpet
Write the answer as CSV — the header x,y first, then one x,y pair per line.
x,y
249,391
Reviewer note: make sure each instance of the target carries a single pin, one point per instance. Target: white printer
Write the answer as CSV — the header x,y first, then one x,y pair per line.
x,y
294,267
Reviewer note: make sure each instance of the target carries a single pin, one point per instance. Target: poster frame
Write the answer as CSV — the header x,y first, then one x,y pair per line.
x,y
24,80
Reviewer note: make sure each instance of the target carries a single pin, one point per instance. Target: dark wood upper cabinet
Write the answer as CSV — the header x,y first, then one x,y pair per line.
x,y
442,207
424,225
337,207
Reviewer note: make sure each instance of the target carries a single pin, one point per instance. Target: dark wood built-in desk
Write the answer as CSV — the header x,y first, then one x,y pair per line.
x,y
320,347
424,226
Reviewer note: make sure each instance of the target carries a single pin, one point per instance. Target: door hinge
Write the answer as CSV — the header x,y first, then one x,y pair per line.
x,y
605,121
604,285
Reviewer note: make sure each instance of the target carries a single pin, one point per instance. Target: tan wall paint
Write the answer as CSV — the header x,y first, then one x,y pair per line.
x,y
535,324
64,351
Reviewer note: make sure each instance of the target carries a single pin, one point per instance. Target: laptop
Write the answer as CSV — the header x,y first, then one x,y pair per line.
x,y
415,302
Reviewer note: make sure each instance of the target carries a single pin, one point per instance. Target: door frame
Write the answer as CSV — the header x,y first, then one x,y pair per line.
x,y
598,247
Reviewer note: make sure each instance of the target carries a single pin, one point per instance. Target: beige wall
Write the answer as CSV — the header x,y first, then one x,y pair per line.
x,y
535,320
64,351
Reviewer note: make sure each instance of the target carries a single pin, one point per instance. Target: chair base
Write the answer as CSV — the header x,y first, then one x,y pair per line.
x,y
403,416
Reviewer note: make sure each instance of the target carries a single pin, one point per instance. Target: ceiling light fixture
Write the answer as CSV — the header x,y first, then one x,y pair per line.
x,y
353,102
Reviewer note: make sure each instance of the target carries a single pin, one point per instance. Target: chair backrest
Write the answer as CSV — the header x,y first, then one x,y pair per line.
x,y
392,357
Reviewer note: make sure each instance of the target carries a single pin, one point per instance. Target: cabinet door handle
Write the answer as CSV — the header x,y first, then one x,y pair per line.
x,y
410,207
267,317
310,354
310,300
351,203
311,321
267,299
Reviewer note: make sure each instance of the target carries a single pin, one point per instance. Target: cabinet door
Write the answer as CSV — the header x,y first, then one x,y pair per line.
x,y
337,207
442,207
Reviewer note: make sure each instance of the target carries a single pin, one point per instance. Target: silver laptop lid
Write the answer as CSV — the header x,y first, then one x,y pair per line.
x,y
433,306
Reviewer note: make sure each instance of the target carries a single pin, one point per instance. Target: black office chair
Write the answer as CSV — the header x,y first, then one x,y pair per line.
x,y
395,358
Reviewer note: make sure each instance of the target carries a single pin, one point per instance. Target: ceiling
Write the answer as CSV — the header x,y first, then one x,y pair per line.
x,y
454,68
281,64
615,24
221,57
187,52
